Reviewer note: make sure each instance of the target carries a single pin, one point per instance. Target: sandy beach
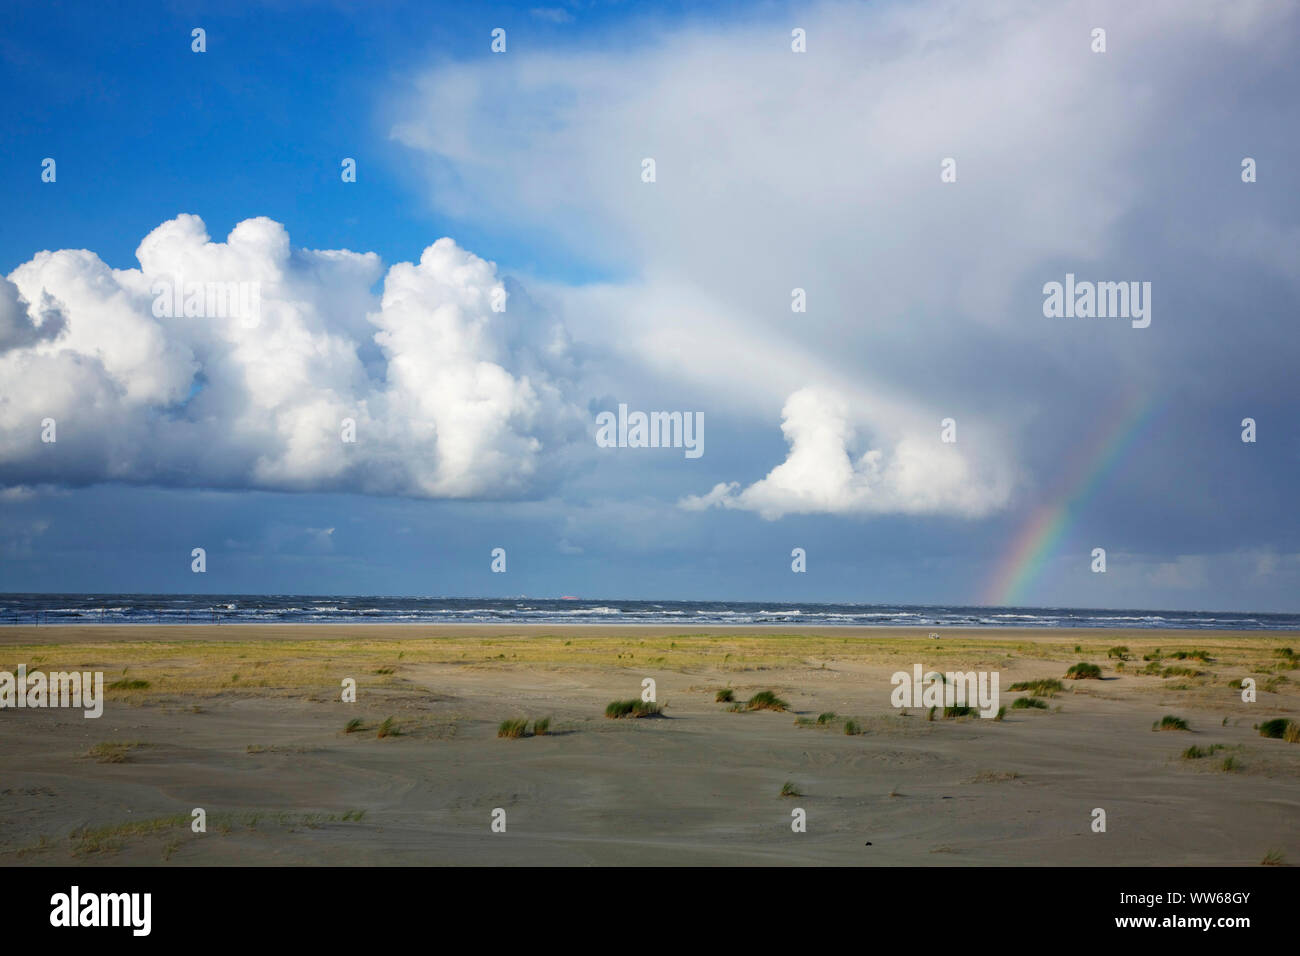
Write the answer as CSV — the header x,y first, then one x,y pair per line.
x,y
247,723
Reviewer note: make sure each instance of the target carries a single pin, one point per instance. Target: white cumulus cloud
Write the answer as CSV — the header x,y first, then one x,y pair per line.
x,y
828,471
450,398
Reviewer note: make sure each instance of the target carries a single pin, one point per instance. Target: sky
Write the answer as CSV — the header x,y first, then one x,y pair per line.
x,y
840,266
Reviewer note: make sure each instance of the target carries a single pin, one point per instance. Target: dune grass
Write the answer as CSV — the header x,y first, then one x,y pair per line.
x,y
1276,728
389,728
354,725
632,708
1028,703
1182,672
822,720
725,696
127,683
1047,687
1084,671
108,839
516,728
766,700
1192,656
1170,722
789,789
852,728
298,661
88,840
113,751
512,729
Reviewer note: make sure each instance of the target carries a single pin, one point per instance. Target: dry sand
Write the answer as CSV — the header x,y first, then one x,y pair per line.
x,y
246,722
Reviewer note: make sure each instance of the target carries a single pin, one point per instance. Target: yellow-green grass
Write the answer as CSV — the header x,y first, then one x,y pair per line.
x,y
304,661
766,700
1028,703
635,707
513,728
113,751
111,838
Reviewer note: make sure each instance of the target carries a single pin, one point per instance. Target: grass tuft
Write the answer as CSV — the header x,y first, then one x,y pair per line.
x,y
1084,671
113,751
1028,703
766,700
1170,722
725,696
632,708
512,729
1048,687
1275,728
790,790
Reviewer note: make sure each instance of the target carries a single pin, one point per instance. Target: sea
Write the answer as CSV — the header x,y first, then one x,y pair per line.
x,y
56,609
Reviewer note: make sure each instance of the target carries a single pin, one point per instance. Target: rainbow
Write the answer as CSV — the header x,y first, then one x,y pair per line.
x,y
1038,538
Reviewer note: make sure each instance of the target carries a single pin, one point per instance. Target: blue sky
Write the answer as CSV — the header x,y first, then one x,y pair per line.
x,y
776,170
147,128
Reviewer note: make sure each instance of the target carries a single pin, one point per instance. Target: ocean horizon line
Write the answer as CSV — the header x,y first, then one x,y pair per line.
x,y
49,608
